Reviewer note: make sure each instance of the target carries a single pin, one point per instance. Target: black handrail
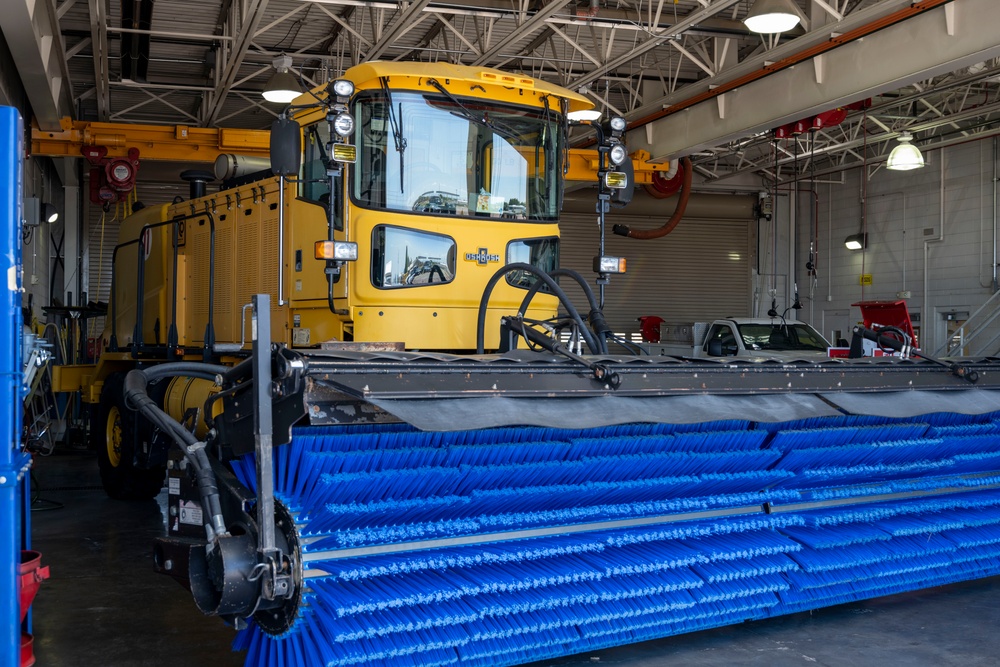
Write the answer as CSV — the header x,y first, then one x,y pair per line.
x,y
208,350
137,337
172,338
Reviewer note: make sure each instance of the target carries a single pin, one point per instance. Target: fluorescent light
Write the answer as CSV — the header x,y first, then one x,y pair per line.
x,y
771,16
905,156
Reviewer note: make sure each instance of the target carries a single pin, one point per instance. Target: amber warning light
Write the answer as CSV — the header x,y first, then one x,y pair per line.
x,y
337,251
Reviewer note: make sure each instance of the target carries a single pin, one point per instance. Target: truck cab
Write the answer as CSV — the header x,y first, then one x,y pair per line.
x,y
762,337
768,338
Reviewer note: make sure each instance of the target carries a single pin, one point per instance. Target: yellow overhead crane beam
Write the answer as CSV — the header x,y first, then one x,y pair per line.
x,y
181,143
178,143
583,166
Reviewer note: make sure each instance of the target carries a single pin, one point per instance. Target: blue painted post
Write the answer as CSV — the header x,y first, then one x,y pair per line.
x,y
13,463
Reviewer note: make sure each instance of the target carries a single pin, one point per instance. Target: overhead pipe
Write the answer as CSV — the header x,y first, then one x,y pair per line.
x,y
927,333
682,201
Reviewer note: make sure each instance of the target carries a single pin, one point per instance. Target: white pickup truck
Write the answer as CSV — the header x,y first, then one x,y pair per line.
x,y
740,337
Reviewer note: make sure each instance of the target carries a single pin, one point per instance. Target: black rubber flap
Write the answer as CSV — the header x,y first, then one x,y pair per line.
x,y
914,403
487,412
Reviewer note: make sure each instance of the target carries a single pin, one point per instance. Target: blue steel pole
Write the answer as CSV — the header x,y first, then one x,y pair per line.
x,y
13,463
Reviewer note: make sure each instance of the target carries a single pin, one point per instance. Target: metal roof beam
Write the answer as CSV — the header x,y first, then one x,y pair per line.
x,y
788,93
536,22
245,23
31,30
407,19
99,47
869,139
691,20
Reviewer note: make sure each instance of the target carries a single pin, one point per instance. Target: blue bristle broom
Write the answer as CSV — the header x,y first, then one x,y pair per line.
x,y
504,546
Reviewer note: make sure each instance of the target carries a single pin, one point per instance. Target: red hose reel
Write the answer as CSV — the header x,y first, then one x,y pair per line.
x,y
111,179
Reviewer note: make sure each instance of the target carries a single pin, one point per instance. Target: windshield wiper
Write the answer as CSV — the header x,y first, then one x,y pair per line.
x,y
468,114
397,130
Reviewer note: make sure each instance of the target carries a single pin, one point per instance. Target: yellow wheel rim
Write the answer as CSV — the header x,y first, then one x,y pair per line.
x,y
113,436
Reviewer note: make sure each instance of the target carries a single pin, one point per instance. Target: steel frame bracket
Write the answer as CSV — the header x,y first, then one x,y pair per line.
x,y
12,476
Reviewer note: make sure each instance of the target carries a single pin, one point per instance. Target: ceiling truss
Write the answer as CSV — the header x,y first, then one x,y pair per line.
x,y
650,60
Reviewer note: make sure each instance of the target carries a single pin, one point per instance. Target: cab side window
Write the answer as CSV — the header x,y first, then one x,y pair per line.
x,y
722,333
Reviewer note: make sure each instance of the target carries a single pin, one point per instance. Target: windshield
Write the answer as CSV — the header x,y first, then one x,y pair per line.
x,y
782,337
437,154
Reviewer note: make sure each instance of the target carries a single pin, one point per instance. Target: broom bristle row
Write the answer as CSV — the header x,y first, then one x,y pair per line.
x,y
856,507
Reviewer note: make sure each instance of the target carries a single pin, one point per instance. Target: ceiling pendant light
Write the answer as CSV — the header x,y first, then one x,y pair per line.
x,y
905,156
771,16
282,87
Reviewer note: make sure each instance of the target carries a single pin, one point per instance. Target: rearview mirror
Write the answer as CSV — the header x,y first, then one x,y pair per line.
x,y
717,349
286,146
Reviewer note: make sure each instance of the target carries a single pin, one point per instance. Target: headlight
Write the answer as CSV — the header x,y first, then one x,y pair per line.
x,y
618,154
343,88
609,265
618,124
343,124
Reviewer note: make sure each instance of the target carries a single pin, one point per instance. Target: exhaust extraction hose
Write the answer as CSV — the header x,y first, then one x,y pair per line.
x,y
682,201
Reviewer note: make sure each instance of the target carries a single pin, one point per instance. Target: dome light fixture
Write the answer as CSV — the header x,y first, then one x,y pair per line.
x,y
905,156
282,87
771,16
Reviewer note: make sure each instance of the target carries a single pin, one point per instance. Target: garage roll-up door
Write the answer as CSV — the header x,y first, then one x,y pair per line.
x,y
700,271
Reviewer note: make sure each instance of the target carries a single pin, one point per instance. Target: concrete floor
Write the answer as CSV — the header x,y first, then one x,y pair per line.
x,y
105,606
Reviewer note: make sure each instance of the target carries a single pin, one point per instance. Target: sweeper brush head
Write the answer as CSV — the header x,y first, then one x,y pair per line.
x,y
504,546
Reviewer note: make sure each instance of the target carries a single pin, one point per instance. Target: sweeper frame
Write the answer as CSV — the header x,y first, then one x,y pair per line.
x,y
252,565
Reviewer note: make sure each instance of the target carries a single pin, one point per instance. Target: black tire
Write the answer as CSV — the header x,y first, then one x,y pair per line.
x,y
113,435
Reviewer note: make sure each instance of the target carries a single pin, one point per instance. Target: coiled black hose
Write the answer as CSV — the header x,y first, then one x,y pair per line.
x,y
596,316
550,283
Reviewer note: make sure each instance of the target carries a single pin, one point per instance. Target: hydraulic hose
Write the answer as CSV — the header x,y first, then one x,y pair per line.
x,y
682,202
193,450
552,284
596,315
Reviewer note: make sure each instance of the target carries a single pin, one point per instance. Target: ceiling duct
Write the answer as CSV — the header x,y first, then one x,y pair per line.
x,y
134,52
